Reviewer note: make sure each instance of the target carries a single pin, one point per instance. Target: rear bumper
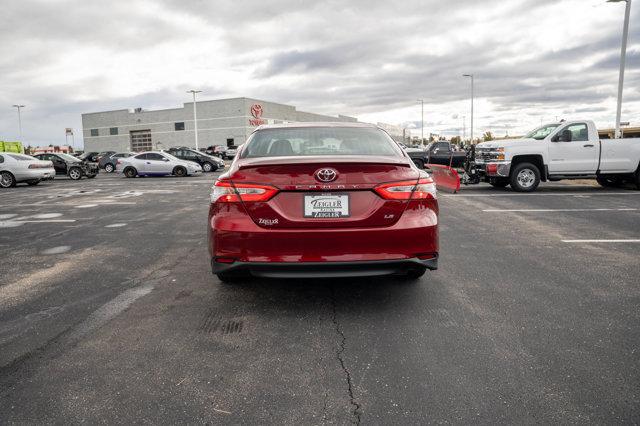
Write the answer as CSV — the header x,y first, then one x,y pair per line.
x,y
32,174
325,269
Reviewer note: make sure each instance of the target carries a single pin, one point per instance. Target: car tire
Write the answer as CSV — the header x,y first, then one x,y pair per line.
x,y
179,171
525,177
75,173
109,168
130,172
498,183
419,164
228,278
609,181
414,274
208,167
33,182
7,180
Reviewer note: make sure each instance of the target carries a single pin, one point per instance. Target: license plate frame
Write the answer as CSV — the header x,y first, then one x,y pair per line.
x,y
327,212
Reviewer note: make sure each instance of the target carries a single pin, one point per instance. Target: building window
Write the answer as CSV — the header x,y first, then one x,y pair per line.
x,y
113,130
141,140
94,132
179,125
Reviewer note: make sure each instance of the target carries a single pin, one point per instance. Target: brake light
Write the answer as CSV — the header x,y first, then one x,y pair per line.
x,y
224,192
423,189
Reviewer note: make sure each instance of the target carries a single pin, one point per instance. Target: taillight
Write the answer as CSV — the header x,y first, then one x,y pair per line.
x,y
224,192
408,190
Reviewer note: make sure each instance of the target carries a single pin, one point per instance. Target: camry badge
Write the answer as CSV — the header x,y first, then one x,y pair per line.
x,y
326,175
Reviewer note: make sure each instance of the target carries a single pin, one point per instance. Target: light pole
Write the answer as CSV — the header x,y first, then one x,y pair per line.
x,y
421,121
464,127
471,76
19,120
195,115
623,54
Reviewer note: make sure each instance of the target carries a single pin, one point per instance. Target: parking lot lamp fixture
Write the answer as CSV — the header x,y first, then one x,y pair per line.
x,y
19,119
471,76
195,115
623,54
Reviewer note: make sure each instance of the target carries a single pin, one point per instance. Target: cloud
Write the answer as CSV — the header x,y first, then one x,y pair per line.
x,y
532,59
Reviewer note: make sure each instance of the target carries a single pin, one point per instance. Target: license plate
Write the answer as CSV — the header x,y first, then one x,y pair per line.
x,y
326,206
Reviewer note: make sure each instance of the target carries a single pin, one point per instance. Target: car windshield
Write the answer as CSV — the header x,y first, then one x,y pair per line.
x,y
320,141
67,157
541,132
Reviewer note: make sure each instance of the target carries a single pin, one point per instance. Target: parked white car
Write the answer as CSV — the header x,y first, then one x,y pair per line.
x,y
154,163
16,168
565,150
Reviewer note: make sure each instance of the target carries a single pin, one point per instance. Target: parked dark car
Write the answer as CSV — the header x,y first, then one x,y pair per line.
x,y
108,162
91,157
439,152
68,165
208,162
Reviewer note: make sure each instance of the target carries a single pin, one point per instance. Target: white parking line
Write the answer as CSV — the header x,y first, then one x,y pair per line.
x,y
602,241
560,210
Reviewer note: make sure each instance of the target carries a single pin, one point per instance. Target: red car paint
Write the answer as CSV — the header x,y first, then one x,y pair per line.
x,y
259,216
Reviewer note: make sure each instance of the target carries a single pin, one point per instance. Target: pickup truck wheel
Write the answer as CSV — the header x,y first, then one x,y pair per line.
x,y
498,183
609,181
525,177
419,164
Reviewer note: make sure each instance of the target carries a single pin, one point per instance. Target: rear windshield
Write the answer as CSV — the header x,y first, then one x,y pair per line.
x,y
320,141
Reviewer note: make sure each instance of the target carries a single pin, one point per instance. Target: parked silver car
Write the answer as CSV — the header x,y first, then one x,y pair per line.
x,y
16,168
154,163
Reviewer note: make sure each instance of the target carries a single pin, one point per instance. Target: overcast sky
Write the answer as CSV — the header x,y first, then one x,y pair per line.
x,y
533,59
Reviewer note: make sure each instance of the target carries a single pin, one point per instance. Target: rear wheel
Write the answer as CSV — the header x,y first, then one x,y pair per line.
x,y
498,183
75,173
525,177
228,278
207,167
130,172
414,274
33,182
7,180
180,171
609,181
109,168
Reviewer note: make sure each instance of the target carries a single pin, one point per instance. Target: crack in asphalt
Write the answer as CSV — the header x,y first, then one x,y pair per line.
x,y
339,354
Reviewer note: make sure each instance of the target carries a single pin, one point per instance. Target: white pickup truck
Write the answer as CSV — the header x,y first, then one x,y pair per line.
x,y
565,150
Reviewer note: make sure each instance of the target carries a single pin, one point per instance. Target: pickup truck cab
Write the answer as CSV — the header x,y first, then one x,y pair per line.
x,y
440,152
565,150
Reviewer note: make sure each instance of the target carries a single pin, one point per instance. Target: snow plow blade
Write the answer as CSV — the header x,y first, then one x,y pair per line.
x,y
446,178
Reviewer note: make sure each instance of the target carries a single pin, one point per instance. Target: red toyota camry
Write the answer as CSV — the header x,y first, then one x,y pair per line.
x,y
322,200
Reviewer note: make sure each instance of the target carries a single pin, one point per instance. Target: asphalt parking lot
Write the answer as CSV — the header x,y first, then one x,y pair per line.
x,y
109,314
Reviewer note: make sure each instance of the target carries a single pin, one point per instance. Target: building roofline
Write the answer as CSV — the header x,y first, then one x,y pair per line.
x,y
307,124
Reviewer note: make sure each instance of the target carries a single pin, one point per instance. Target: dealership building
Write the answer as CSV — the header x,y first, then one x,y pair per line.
x,y
220,122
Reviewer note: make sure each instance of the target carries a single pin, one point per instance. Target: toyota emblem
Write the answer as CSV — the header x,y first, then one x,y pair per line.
x,y
326,175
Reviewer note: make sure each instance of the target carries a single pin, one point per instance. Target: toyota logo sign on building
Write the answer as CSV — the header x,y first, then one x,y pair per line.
x,y
256,110
326,175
